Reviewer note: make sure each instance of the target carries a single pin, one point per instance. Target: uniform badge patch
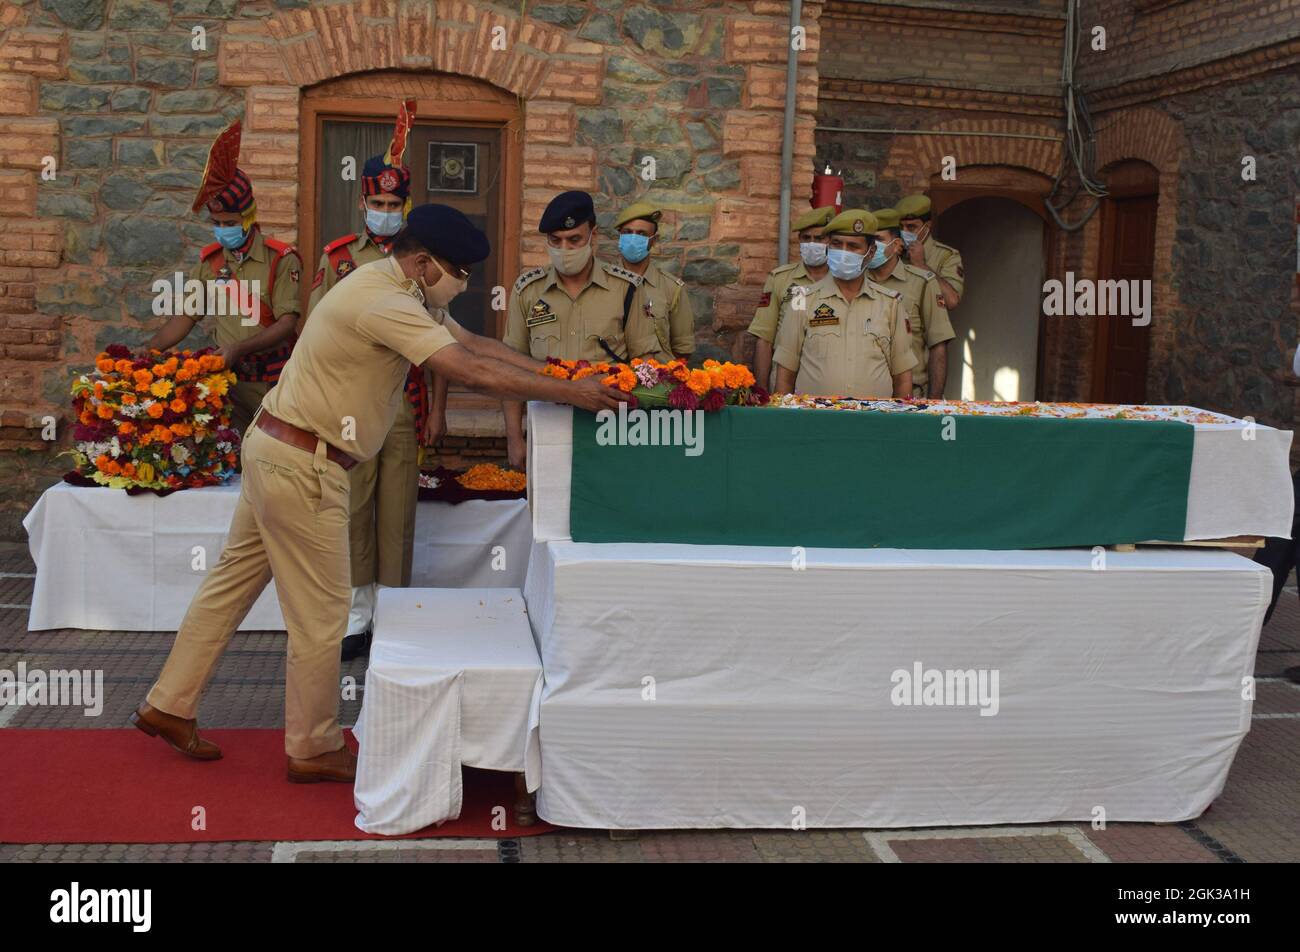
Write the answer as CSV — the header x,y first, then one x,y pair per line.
x,y
293,275
540,313
319,279
569,222
344,268
766,299
938,299
823,315
858,227
224,273
388,180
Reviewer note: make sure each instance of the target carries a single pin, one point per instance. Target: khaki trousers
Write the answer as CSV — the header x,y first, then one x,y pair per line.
x,y
291,523
246,397
385,489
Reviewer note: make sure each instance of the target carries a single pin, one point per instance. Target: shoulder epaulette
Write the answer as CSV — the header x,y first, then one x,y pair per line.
x,y
673,278
281,248
888,292
527,278
340,242
621,272
921,271
940,244
782,268
209,250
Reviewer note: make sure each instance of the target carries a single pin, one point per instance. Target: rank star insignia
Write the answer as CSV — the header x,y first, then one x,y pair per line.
x,y
345,268
388,180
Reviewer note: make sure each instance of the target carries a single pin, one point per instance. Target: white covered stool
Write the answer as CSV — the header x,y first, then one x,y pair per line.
x,y
454,680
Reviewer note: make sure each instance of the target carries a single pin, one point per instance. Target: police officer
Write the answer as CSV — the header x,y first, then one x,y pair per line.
x,y
256,349
781,282
576,308
850,338
666,300
922,251
332,408
927,316
385,488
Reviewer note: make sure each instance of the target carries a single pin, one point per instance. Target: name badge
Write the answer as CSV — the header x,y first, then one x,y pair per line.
x,y
822,316
541,314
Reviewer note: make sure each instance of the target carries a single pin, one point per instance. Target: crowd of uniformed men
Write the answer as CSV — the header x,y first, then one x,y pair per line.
x,y
864,312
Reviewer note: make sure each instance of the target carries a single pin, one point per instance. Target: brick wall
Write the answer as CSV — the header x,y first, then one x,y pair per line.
x,y
116,93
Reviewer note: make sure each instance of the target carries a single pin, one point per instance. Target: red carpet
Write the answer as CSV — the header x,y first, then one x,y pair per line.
x,y
119,786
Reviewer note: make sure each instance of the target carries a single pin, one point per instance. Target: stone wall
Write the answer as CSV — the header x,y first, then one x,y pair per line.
x,y
116,92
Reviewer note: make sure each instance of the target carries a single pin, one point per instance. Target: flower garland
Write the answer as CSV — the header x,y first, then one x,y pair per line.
x,y
491,477
1040,410
154,420
652,383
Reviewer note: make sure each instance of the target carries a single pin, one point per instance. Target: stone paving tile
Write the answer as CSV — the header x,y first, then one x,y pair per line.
x,y
232,852
813,846
988,849
1148,843
398,856
579,846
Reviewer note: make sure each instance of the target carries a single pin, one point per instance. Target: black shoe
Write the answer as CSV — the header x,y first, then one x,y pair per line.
x,y
354,646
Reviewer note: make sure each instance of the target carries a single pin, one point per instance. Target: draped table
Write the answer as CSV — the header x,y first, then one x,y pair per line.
x,y
107,561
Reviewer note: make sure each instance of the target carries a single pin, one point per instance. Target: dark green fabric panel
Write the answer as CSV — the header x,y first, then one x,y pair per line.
x,y
859,479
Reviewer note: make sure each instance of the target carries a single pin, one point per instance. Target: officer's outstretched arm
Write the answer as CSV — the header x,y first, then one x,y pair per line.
x,y
171,333
505,381
488,346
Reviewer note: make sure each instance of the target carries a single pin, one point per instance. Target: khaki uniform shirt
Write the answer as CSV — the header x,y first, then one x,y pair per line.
x,y
545,322
847,348
231,328
669,309
926,315
945,261
776,291
345,380
363,251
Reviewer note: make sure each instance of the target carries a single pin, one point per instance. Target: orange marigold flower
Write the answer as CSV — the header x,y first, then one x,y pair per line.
x,y
128,399
155,410
104,411
699,382
737,375
177,405
125,427
681,373
181,429
112,468
101,461
162,434
209,362
711,363
128,470
493,477
123,367
104,364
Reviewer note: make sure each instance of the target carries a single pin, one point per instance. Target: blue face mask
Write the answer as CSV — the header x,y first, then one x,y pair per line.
x,y
383,224
633,248
229,237
879,258
909,239
845,265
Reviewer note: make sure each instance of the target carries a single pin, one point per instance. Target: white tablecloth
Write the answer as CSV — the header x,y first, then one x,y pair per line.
x,y
1240,481
111,562
454,679
716,686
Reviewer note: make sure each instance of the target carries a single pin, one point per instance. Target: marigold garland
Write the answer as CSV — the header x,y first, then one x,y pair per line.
x,y
154,420
653,383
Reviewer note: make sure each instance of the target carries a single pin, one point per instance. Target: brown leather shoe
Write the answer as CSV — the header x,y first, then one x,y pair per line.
x,y
181,735
338,765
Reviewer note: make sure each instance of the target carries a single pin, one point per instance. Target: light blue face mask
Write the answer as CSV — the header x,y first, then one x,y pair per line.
x,y
383,224
909,239
879,258
633,248
845,265
229,237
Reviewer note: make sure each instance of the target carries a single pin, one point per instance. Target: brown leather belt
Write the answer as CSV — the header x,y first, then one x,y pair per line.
x,y
295,436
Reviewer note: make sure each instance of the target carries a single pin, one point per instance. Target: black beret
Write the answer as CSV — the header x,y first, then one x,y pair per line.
x,y
447,233
567,210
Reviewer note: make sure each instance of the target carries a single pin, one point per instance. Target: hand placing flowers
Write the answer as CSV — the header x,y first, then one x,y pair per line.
x,y
652,383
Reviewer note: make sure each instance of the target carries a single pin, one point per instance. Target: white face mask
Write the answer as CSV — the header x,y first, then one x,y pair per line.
x,y
569,261
813,253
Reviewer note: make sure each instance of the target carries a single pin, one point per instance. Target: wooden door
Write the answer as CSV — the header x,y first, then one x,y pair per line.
x,y
1128,237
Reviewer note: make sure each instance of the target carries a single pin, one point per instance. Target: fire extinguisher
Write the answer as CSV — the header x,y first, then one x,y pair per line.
x,y
828,189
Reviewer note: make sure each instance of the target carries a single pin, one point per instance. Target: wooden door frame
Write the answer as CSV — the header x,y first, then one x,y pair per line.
x,y
428,112
1105,263
943,197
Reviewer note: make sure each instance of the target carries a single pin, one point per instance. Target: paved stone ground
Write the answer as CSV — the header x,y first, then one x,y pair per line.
x,y
1257,819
